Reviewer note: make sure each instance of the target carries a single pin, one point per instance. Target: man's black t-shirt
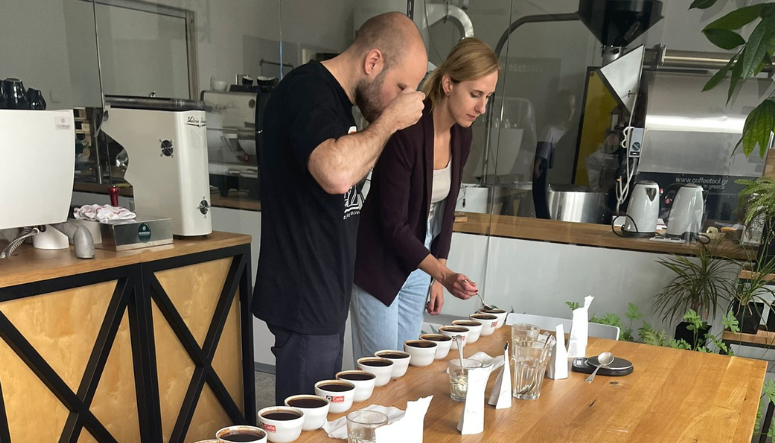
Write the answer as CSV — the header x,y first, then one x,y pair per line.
x,y
305,267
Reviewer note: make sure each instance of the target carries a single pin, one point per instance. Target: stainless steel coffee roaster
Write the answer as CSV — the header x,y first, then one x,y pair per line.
x,y
644,117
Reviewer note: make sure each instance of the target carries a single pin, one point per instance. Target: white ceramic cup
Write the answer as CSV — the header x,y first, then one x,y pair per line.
x,y
489,322
451,331
339,392
241,429
218,85
443,342
364,383
474,329
314,416
500,313
422,352
381,367
400,361
281,430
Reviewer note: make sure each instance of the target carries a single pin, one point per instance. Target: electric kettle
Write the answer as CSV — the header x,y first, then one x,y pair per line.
x,y
643,210
685,218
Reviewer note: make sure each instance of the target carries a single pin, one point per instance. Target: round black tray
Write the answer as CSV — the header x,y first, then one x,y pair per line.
x,y
619,367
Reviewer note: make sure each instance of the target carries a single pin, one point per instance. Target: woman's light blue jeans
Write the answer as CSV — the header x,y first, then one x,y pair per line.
x,y
377,327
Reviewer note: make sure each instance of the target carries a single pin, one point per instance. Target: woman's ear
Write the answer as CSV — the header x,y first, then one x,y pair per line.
x,y
446,84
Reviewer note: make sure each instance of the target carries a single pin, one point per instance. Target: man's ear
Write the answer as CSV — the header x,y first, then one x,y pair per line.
x,y
373,63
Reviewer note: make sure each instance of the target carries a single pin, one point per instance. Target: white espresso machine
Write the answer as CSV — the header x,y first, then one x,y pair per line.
x,y
166,142
37,154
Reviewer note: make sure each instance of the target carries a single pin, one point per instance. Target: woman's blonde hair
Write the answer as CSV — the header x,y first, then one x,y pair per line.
x,y
470,59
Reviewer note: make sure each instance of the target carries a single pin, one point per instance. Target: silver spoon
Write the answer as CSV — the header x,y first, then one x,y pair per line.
x,y
604,359
459,342
485,305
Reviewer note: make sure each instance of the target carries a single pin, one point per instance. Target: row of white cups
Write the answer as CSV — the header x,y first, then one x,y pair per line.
x,y
281,424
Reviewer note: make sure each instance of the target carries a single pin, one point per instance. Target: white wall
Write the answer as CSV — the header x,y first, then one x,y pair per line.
x,y
537,277
50,44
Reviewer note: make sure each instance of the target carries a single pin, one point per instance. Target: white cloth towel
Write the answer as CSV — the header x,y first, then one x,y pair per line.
x,y
103,213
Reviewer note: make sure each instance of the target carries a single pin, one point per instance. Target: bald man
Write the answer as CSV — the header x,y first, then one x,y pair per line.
x,y
311,160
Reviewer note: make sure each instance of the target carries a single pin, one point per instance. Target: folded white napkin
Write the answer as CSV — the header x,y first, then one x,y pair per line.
x,y
500,397
103,213
472,418
488,362
408,429
338,427
579,332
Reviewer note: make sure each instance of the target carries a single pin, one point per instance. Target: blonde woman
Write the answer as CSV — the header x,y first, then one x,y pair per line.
x,y
406,222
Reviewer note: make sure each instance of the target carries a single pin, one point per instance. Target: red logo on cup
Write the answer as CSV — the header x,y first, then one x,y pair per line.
x,y
495,324
269,428
337,399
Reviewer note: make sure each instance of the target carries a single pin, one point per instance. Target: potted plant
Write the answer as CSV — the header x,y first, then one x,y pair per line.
x,y
700,284
757,202
747,301
748,60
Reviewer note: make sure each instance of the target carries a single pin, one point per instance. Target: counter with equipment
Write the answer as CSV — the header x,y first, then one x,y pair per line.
x,y
144,345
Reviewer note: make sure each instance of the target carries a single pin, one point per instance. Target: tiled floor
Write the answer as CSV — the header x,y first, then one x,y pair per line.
x,y
264,390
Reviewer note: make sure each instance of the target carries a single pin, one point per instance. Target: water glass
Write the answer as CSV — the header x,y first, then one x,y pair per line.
x,y
528,367
362,426
523,334
458,377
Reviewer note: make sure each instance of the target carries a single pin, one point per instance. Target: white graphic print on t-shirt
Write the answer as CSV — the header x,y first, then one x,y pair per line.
x,y
352,203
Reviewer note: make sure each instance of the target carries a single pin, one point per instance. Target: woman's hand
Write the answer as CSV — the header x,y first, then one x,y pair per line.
x,y
436,300
460,286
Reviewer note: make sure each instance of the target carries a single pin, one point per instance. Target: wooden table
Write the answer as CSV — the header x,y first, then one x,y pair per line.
x,y
672,396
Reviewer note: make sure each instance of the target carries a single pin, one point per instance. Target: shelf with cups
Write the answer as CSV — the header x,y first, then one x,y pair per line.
x,y
584,234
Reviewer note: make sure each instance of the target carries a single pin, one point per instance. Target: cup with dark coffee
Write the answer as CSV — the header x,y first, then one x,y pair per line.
x,y
339,392
282,424
422,352
452,331
364,383
500,313
489,322
240,433
400,361
315,410
382,368
474,329
442,341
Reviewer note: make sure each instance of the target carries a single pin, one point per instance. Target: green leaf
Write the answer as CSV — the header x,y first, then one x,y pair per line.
x,y
633,313
737,70
730,322
719,76
756,47
573,304
768,10
737,18
766,61
758,126
769,390
702,4
724,38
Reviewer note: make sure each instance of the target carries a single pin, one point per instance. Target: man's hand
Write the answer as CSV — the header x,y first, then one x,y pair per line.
x,y
404,111
436,300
